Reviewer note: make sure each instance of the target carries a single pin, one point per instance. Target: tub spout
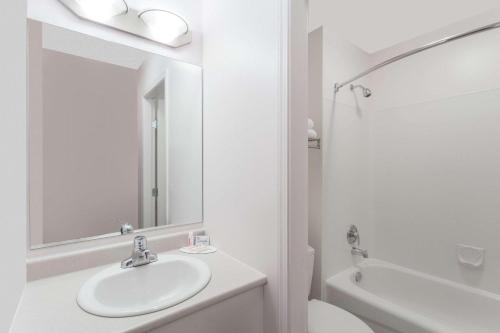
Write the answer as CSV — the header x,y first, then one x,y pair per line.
x,y
355,251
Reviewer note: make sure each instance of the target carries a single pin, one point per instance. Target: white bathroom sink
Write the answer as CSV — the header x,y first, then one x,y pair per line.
x,y
117,292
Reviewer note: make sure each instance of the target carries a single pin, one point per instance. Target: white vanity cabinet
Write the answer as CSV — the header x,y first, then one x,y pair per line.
x,y
240,314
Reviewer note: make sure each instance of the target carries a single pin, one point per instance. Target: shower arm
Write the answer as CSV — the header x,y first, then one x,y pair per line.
x,y
425,47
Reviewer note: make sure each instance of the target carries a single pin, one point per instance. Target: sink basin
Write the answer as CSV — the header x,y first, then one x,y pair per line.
x,y
117,292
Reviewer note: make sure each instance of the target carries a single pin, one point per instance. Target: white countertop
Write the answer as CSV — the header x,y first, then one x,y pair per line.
x,y
49,305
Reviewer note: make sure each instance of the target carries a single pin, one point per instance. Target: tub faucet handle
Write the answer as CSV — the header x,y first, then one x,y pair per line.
x,y
353,236
354,241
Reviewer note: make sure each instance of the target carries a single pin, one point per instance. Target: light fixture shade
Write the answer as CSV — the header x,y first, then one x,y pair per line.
x,y
161,26
103,9
164,25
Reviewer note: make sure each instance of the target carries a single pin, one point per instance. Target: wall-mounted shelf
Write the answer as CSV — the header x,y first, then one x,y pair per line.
x,y
314,143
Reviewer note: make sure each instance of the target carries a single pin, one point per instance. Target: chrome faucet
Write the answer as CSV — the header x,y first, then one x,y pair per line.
x,y
356,251
354,240
140,254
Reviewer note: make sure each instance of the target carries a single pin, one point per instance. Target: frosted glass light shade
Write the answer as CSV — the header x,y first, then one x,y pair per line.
x,y
103,9
164,25
158,25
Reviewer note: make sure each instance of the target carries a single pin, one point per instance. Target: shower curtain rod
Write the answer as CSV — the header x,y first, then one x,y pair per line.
x,y
425,47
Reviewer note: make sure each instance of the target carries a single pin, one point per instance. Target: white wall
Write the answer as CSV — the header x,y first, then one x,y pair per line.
x,y
295,227
344,185
344,149
183,148
376,25
53,12
184,98
243,133
435,142
13,170
315,177
35,121
90,147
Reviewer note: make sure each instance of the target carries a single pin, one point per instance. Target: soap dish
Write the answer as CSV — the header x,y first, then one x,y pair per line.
x,y
200,249
470,255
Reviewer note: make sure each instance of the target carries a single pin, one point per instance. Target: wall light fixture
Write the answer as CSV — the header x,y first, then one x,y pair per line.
x,y
158,25
164,25
103,9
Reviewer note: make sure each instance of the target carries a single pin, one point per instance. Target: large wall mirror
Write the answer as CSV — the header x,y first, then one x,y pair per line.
x,y
115,138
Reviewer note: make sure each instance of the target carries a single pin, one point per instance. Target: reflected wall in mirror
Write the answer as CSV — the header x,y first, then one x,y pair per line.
x,y
115,137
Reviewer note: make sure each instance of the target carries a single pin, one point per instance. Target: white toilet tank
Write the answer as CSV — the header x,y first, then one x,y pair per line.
x,y
326,318
310,266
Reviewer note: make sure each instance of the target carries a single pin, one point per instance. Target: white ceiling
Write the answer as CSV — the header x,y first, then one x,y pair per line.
x,y
374,25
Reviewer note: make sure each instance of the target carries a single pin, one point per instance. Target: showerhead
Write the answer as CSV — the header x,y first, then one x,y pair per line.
x,y
366,92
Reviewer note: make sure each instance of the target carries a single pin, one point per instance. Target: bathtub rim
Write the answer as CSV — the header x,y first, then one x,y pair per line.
x,y
426,276
356,299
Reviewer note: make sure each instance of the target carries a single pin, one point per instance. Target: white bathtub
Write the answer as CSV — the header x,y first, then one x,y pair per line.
x,y
392,298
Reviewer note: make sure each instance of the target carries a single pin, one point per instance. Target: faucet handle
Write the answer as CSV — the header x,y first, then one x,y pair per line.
x,y
140,243
141,255
152,257
353,236
126,228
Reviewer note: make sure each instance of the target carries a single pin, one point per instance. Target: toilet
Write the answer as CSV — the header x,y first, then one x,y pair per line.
x,y
327,318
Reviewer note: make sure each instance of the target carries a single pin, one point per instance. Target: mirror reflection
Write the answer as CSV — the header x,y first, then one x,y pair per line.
x,y
115,137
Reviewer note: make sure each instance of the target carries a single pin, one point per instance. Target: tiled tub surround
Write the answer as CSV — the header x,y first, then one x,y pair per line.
x,y
235,291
